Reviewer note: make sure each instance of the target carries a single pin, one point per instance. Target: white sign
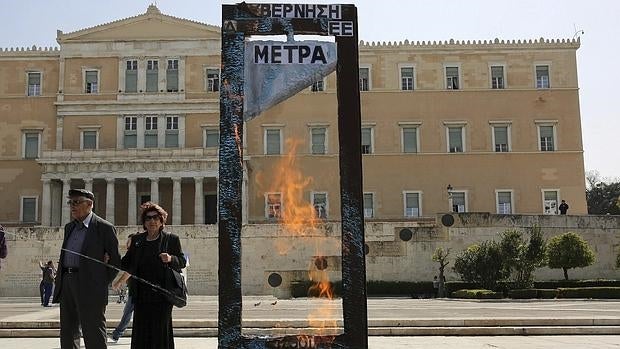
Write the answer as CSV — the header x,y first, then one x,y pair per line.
x,y
285,53
275,71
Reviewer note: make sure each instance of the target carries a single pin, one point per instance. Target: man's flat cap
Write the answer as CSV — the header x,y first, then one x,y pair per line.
x,y
82,192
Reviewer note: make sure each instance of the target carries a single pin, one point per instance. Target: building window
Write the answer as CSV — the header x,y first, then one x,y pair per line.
x,y
273,143
456,139
32,145
28,209
410,139
500,138
369,205
131,132
34,84
550,201
458,201
172,132
172,75
542,76
150,132
213,79
318,86
504,201
89,139
546,136
406,78
91,82
131,76
273,206
452,78
212,138
364,79
367,142
497,77
152,75
318,136
319,201
412,204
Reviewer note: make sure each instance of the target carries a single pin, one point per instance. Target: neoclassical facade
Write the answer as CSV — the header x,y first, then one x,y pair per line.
x,y
130,110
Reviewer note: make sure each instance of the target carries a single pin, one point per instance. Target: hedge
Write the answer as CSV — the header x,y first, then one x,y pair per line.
x,y
523,294
477,294
590,292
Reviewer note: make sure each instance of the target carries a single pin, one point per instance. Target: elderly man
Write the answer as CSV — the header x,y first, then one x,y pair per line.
x,y
81,283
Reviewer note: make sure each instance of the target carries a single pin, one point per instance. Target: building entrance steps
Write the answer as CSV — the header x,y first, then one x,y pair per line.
x,y
265,315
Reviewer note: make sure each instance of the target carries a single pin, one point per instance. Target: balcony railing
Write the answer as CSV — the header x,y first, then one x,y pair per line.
x,y
126,154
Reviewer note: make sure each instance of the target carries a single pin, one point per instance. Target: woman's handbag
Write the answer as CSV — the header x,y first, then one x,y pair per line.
x,y
174,283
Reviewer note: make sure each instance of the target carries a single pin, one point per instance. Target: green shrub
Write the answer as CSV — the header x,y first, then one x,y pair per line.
x,y
567,251
452,286
590,292
477,294
527,293
482,263
547,293
577,283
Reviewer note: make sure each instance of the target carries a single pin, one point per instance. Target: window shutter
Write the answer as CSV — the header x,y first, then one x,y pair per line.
x,y
501,135
34,79
409,140
366,136
318,141
273,141
412,200
456,138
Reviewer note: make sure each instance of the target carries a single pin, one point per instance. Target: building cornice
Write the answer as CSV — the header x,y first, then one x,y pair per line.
x,y
94,108
452,44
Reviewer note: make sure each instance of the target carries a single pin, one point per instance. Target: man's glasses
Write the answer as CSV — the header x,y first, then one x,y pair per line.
x,y
75,202
148,218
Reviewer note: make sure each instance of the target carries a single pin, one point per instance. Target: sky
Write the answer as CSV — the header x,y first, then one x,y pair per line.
x,y
34,22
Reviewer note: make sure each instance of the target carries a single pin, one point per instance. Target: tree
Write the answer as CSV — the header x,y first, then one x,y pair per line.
x,y
481,263
522,257
569,251
602,196
440,256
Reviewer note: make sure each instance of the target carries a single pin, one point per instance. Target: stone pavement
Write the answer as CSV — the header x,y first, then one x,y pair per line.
x,y
425,342
24,317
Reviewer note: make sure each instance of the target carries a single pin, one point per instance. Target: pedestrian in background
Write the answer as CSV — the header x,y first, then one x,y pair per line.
x,y
4,251
563,207
129,304
47,282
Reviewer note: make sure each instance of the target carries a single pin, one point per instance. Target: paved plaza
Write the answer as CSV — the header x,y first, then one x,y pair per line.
x,y
425,342
393,322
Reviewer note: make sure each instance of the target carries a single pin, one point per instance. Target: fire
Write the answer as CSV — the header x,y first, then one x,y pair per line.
x,y
298,217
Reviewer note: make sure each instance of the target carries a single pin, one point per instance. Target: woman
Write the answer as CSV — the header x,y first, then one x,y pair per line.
x,y
147,259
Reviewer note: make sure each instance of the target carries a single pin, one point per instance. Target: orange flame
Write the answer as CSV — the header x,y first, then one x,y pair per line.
x,y
298,217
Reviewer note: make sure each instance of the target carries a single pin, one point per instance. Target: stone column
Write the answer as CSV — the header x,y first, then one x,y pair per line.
x,y
154,190
88,184
199,216
46,203
131,201
176,200
109,200
66,209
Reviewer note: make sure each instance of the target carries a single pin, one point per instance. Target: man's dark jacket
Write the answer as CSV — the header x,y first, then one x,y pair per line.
x,y
94,278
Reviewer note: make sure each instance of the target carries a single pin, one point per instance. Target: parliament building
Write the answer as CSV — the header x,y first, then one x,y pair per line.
x,y
130,110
